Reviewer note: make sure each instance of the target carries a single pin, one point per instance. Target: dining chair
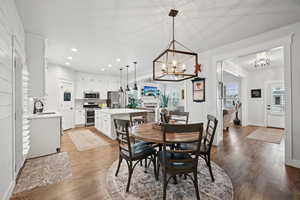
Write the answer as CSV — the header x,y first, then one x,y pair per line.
x,y
138,118
208,138
176,161
131,153
179,116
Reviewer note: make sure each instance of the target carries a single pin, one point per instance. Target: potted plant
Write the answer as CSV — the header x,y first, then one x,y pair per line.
x,y
164,100
237,105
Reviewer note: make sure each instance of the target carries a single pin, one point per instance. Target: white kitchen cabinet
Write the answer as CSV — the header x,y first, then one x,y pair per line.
x,y
97,121
96,83
79,117
35,52
47,141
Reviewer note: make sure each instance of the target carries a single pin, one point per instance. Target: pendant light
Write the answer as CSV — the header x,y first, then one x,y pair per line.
x,y
172,63
135,84
127,86
121,80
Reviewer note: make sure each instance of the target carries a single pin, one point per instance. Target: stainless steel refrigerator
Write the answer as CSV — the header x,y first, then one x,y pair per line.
x,y
115,99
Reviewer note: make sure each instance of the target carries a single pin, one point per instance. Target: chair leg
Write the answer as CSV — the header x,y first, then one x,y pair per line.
x,y
196,185
209,167
145,165
120,161
154,166
130,170
165,185
157,171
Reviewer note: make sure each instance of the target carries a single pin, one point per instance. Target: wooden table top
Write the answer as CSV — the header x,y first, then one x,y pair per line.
x,y
147,133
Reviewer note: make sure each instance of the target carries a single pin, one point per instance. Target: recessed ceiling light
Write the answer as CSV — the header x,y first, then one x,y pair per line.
x,y
102,69
67,63
118,59
109,65
70,58
74,49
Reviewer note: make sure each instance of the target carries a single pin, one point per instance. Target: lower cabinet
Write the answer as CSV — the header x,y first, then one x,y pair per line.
x,y
79,117
103,123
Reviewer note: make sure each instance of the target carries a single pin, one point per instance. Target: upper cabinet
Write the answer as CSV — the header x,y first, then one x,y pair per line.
x,y
95,83
35,52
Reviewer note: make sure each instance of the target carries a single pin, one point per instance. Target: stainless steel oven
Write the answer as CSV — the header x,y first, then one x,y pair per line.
x,y
89,116
91,95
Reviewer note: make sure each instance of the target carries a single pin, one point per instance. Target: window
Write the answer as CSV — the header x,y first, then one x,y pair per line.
x,y
231,93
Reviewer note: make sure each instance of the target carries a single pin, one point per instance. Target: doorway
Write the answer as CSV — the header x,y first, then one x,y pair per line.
x,y
66,104
257,82
262,79
18,111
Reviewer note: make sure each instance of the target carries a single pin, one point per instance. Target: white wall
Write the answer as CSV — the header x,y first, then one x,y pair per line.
x,y
199,111
10,24
256,106
208,60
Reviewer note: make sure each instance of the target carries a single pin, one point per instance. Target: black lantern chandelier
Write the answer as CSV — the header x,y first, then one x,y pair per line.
x,y
176,63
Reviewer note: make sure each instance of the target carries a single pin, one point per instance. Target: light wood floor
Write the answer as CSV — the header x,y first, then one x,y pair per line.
x,y
256,168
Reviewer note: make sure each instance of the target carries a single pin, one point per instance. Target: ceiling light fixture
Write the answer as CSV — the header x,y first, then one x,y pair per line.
x,y
262,59
103,69
121,80
118,59
171,64
67,63
109,65
74,49
70,58
127,86
135,84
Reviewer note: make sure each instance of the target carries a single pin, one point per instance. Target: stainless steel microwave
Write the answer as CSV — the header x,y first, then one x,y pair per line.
x,y
91,95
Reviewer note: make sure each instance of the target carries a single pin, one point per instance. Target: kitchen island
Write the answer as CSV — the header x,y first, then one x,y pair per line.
x,y
104,119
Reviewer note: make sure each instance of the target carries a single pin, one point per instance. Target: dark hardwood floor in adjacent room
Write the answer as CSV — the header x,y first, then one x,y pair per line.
x,y
256,168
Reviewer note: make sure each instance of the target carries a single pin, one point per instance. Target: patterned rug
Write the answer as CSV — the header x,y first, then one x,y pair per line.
x,y
86,140
42,171
144,186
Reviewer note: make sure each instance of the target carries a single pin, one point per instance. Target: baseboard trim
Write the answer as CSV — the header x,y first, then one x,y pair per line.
x,y
293,163
255,124
10,190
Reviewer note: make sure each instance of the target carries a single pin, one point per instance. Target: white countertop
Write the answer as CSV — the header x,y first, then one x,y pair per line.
x,y
45,115
118,111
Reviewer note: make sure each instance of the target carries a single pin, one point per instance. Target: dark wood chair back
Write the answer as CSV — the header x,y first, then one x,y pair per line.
x,y
209,134
182,128
123,138
138,118
173,114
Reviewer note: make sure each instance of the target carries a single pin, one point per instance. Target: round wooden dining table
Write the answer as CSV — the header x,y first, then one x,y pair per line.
x,y
146,132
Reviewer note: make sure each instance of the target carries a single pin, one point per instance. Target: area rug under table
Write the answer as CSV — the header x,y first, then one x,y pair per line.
x,y
42,171
144,186
85,139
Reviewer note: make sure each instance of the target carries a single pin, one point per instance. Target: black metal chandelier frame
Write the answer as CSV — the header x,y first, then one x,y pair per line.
x,y
171,49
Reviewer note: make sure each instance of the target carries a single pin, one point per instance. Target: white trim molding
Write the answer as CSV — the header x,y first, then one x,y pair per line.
x,y
10,190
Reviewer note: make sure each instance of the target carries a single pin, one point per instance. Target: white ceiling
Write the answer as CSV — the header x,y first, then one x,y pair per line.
x,y
138,30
